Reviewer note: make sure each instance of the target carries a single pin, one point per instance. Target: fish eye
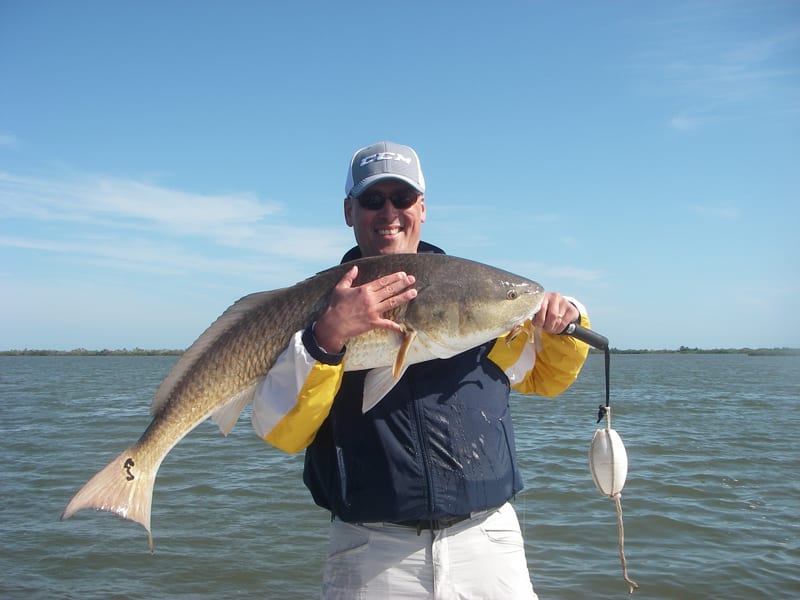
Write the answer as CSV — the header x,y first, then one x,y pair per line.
x,y
512,294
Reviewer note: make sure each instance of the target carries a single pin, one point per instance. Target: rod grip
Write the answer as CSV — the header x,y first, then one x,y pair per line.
x,y
594,339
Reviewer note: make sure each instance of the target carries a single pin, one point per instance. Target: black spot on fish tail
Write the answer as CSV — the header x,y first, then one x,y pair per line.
x,y
127,466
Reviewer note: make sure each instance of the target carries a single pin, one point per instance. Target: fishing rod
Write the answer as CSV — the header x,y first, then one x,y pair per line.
x,y
579,332
599,342
608,460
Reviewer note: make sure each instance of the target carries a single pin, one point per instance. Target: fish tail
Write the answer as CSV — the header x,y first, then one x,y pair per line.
x,y
124,487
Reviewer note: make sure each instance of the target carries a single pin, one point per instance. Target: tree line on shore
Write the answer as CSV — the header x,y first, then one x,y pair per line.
x,y
85,352
687,350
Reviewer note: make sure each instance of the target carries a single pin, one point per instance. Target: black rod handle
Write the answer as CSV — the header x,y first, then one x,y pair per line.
x,y
594,339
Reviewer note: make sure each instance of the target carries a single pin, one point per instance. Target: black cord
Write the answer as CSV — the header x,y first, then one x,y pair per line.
x,y
603,410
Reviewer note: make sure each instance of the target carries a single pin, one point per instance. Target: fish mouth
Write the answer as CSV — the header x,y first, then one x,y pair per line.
x,y
533,312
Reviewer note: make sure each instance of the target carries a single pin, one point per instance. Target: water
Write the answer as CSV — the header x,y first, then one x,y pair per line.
x,y
710,504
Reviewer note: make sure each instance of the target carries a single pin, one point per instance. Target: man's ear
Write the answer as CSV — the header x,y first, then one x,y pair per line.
x,y
348,208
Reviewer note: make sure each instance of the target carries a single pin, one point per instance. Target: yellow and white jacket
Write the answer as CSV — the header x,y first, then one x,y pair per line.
x,y
298,392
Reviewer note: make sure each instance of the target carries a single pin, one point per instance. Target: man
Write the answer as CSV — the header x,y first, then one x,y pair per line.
x,y
419,486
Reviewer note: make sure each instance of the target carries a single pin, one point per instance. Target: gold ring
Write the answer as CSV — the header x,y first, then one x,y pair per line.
x,y
560,315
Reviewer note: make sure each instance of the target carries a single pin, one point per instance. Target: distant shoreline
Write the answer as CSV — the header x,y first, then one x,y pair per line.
x,y
175,352
748,351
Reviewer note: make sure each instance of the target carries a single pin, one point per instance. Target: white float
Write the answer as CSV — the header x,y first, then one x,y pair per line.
x,y
608,462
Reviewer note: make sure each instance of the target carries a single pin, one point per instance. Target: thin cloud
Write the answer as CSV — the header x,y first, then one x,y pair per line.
x,y
714,71
131,225
502,211
552,272
130,204
7,141
570,241
569,273
716,212
683,123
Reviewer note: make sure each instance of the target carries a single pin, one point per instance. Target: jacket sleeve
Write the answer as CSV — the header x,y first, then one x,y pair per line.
x,y
297,394
545,366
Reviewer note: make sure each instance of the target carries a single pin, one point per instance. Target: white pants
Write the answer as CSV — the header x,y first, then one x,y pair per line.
x,y
480,558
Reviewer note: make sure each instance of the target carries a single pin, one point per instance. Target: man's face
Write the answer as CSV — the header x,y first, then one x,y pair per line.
x,y
388,229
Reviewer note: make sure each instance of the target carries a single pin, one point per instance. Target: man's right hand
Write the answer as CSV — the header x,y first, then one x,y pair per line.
x,y
353,310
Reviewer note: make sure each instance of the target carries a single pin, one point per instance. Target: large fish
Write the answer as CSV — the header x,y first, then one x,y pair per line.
x,y
460,304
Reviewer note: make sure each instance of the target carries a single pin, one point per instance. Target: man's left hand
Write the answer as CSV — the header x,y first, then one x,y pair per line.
x,y
556,313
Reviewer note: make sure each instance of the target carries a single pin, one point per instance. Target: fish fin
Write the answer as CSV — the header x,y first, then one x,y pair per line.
x,y
226,415
402,352
219,327
516,331
123,487
380,381
377,384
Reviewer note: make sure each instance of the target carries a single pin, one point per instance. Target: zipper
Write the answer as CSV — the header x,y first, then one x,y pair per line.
x,y
423,448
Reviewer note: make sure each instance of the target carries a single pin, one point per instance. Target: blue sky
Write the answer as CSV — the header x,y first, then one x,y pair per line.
x,y
158,160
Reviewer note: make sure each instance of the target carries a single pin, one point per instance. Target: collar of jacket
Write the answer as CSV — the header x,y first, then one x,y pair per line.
x,y
423,248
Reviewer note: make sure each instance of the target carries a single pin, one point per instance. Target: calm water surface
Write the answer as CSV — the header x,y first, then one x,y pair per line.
x,y
710,504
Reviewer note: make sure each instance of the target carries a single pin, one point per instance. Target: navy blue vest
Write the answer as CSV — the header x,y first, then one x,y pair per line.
x,y
440,444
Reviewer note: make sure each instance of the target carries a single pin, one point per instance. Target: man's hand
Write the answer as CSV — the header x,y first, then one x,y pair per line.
x,y
354,310
556,313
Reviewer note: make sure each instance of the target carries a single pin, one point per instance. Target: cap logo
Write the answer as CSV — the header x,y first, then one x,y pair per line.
x,y
384,156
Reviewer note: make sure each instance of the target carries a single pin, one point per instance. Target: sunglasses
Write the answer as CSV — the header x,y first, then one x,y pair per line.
x,y
376,200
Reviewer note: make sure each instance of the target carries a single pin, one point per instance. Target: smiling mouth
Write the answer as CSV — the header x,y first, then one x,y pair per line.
x,y
389,230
